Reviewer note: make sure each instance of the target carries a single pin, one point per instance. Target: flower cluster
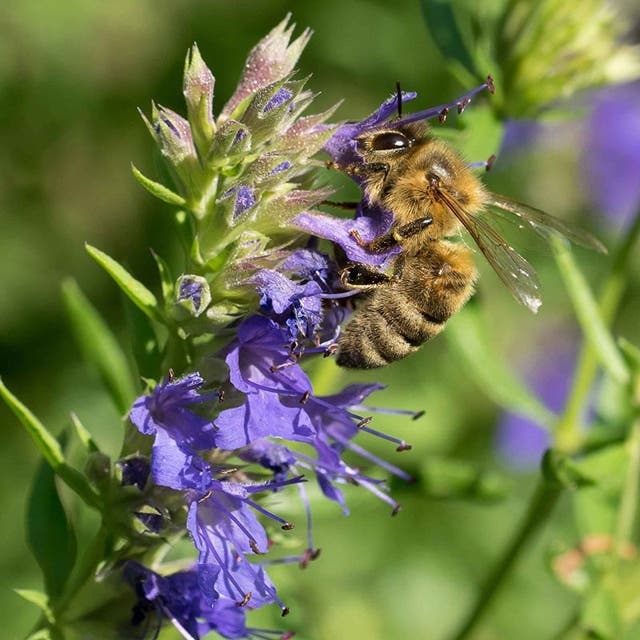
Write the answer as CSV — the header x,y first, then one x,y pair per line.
x,y
256,275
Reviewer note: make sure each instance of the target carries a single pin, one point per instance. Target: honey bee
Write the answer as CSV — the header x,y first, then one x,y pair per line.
x,y
433,194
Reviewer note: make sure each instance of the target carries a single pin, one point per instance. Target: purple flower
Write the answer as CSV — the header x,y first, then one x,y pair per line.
x,y
612,154
520,441
178,598
299,306
262,366
166,412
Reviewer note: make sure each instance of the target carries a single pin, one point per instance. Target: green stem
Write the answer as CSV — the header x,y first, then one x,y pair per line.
x,y
540,508
568,434
629,500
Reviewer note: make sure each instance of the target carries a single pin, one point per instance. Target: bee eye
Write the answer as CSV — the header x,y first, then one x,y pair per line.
x,y
390,141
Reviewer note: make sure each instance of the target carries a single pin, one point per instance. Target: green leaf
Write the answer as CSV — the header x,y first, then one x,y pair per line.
x,y
83,435
447,32
49,533
99,346
158,190
588,313
469,337
144,342
41,634
38,598
166,280
49,448
135,290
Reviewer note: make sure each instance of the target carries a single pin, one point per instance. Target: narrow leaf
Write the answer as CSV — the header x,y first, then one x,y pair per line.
x,y
470,339
99,346
49,448
83,435
588,313
158,190
135,290
166,281
49,532
445,30
38,598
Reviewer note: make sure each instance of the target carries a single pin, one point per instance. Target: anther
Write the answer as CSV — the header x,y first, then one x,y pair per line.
x,y
417,415
287,635
490,85
364,422
172,375
403,447
287,526
490,160
305,397
221,396
442,116
396,510
285,611
463,104
245,600
254,547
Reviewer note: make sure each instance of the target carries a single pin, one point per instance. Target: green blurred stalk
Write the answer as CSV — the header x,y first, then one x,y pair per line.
x,y
568,439
568,433
540,507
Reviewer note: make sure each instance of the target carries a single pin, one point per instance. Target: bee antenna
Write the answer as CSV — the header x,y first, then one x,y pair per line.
x,y
399,95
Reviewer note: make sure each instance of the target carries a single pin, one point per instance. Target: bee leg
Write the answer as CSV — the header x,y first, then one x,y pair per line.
x,y
363,169
361,276
392,238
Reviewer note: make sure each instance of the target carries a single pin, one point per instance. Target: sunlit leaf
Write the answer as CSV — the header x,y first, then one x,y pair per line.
x,y
135,290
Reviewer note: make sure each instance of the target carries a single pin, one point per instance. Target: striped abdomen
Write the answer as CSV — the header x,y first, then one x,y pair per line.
x,y
396,318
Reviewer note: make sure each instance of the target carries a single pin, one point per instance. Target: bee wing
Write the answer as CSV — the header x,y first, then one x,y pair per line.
x,y
514,271
542,223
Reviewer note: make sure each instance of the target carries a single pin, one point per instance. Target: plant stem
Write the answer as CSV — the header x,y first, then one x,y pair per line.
x,y
568,437
629,501
540,508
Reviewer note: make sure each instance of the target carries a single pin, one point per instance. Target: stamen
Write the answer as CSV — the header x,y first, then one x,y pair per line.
x,y
245,600
285,611
442,110
288,526
365,421
442,116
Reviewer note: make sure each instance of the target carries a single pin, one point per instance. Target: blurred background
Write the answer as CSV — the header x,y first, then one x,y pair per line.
x,y
71,77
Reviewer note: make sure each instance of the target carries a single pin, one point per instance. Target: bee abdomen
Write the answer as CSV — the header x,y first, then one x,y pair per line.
x,y
395,319
388,327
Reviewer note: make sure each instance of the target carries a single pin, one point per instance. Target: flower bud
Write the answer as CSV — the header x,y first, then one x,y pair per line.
x,y
193,294
198,93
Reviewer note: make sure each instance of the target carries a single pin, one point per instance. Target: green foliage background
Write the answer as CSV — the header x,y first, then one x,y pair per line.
x,y
71,77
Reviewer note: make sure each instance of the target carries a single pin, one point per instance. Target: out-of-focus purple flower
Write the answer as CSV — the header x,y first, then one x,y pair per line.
x,y
612,152
520,441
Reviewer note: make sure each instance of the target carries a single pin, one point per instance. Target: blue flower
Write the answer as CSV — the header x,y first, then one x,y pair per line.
x,y
611,160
